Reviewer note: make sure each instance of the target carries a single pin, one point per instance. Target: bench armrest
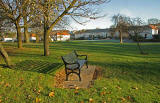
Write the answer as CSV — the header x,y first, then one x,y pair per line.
x,y
86,57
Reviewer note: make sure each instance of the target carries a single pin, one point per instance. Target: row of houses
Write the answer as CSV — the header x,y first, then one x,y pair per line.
x,y
61,35
148,33
90,34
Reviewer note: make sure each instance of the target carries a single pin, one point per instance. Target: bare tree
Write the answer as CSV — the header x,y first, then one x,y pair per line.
x,y
4,54
25,15
153,21
137,26
120,24
12,9
1,23
54,11
30,17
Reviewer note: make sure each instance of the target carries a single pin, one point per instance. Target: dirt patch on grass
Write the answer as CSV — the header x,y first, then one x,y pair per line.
x,y
88,76
97,73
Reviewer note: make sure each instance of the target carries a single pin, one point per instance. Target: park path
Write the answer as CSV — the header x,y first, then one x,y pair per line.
x,y
87,75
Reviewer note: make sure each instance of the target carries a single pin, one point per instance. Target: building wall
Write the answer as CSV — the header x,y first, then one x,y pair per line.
x,y
117,35
154,32
90,35
148,32
63,37
32,38
7,39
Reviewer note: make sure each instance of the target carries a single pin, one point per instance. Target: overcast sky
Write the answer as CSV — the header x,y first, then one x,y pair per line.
x,y
133,8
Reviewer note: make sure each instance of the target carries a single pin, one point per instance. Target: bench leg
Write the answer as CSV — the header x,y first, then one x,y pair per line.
x,y
87,64
66,75
79,74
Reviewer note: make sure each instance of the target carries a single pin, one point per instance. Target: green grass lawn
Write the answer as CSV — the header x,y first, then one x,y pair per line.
x,y
127,77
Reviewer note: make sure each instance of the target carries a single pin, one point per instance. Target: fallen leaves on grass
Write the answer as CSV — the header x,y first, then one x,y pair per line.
x,y
39,91
29,96
59,79
129,97
104,88
109,99
90,100
34,90
103,93
2,82
7,85
38,100
122,99
76,92
119,87
136,88
108,92
51,94
77,88
0,99
82,102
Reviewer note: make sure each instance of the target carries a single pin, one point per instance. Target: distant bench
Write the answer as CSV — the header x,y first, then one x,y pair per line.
x,y
73,63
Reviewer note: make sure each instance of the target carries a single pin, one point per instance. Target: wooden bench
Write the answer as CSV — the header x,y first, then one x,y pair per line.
x,y
73,64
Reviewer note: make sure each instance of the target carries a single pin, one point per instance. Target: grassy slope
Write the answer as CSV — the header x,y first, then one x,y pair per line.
x,y
127,75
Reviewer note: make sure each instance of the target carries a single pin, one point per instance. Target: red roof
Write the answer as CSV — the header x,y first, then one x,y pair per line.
x,y
33,35
154,27
63,33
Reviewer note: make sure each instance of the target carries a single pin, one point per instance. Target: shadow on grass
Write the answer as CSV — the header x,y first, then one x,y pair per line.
x,y
38,66
3,65
130,49
140,72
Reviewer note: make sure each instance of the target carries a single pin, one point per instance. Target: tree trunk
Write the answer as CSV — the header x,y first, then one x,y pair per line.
x,y
37,38
26,35
139,46
46,43
121,36
48,29
19,35
5,56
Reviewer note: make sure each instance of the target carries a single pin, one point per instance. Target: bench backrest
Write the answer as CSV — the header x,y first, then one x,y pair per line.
x,y
70,58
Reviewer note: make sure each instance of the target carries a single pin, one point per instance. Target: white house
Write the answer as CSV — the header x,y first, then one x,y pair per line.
x,y
63,36
8,39
90,34
150,32
60,35
32,37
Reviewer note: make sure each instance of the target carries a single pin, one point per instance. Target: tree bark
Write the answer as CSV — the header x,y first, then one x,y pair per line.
x,y
26,35
37,38
46,43
19,35
5,56
121,36
139,46
48,29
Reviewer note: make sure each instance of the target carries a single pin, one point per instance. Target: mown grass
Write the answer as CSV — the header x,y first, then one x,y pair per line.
x,y
127,75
